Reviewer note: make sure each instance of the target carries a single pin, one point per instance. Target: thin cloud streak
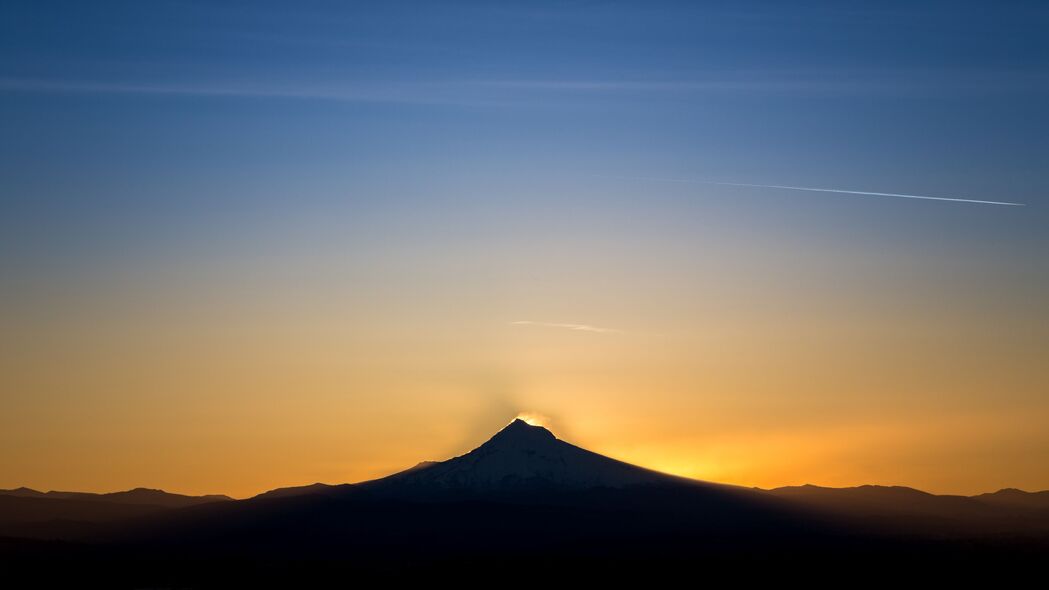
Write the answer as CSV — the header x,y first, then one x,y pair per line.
x,y
820,190
512,92
820,82
575,327
405,94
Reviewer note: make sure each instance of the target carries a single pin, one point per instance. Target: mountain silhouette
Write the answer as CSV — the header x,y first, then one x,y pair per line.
x,y
25,512
526,495
1014,498
519,458
899,508
137,496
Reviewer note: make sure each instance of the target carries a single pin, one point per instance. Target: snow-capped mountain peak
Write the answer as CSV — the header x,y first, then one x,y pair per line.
x,y
520,457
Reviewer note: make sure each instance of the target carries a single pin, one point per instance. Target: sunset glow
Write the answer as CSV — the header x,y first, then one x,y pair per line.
x,y
244,247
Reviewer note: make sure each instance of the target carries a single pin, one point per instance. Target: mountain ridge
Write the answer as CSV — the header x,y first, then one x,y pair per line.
x,y
525,493
519,447
139,496
518,432
528,464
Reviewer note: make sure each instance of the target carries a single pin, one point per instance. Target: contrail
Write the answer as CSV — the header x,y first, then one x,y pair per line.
x,y
821,190
576,327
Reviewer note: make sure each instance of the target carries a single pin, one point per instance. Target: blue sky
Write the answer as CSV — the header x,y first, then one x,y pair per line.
x,y
129,124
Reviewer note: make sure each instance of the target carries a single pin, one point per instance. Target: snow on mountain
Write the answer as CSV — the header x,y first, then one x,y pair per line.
x,y
521,457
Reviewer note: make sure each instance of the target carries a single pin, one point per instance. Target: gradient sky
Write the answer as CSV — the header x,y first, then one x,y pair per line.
x,y
246,245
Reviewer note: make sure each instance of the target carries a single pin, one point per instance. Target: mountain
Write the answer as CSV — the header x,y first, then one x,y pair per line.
x,y
519,458
23,492
527,463
137,496
898,508
1014,498
522,503
55,515
875,499
523,492
306,490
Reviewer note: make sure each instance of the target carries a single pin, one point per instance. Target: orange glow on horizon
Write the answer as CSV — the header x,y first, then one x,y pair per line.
x,y
239,382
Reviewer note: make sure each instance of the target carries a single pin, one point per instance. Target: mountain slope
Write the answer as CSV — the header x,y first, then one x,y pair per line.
x,y
519,458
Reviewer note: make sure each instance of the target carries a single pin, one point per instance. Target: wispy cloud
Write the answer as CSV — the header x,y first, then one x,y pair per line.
x,y
416,93
530,91
817,190
806,82
576,327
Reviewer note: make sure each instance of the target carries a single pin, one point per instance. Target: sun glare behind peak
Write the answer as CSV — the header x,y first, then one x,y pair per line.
x,y
532,419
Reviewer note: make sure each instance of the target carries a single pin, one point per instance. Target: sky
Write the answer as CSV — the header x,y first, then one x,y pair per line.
x,y
246,245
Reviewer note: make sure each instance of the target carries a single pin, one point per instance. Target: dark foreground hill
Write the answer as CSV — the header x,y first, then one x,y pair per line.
x,y
28,513
527,507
